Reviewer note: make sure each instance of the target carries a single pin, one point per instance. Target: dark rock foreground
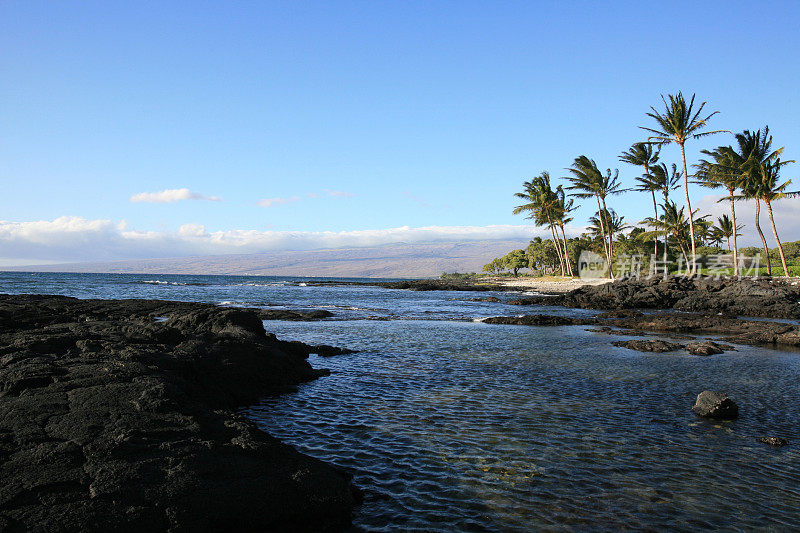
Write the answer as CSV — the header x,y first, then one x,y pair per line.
x,y
762,297
112,419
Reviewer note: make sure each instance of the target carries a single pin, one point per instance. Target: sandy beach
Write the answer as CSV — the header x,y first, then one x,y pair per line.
x,y
547,285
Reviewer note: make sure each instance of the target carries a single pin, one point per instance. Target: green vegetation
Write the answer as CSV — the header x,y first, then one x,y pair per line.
x,y
748,170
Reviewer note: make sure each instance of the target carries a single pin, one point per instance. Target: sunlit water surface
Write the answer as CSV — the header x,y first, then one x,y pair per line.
x,y
467,426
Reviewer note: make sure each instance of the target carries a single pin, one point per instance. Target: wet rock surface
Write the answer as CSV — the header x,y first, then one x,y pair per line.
x,y
655,345
676,325
539,320
283,314
715,405
774,441
761,297
120,416
707,348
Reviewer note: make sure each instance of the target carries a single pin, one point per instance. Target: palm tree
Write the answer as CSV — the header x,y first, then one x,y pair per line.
x,y
714,236
562,210
589,181
725,171
726,229
760,176
610,220
673,222
677,124
769,191
541,203
644,155
665,181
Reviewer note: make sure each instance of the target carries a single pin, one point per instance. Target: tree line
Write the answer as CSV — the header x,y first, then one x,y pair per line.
x,y
748,169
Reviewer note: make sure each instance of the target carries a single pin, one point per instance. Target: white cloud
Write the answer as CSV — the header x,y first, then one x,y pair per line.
x,y
339,194
787,218
269,202
170,195
71,239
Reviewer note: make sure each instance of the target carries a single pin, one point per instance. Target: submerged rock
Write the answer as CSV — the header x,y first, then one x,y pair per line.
x,y
654,345
715,405
774,441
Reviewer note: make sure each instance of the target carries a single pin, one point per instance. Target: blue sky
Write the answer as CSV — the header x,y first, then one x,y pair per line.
x,y
358,115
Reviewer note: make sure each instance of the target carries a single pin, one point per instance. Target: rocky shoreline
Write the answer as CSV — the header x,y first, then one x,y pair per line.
x,y
686,307
750,297
120,415
671,324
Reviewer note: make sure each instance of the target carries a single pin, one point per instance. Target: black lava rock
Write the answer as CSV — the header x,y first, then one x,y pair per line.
x,y
715,405
774,441
655,345
121,416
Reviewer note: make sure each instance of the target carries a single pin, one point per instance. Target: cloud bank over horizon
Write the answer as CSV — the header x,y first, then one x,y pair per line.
x,y
77,239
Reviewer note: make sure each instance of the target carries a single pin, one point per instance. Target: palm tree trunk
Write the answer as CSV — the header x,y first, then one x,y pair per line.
x,y
685,253
610,239
666,232
761,234
693,270
603,231
570,272
655,210
557,244
775,233
729,244
735,247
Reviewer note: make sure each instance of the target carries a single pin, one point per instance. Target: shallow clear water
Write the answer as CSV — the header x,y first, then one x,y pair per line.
x,y
447,423
468,426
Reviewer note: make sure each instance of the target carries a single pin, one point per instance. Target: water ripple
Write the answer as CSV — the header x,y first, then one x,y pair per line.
x,y
465,426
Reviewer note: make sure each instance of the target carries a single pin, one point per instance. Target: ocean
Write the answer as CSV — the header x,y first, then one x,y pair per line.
x,y
448,423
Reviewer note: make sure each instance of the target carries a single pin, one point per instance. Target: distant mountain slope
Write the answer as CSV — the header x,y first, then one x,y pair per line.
x,y
389,261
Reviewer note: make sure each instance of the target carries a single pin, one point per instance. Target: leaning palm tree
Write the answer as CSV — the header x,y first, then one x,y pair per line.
x,y
644,155
588,181
562,210
541,204
665,180
677,124
769,191
725,170
760,176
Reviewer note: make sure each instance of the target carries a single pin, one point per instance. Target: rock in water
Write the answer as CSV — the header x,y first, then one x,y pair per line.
x,y
656,345
715,405
707,348
774,441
